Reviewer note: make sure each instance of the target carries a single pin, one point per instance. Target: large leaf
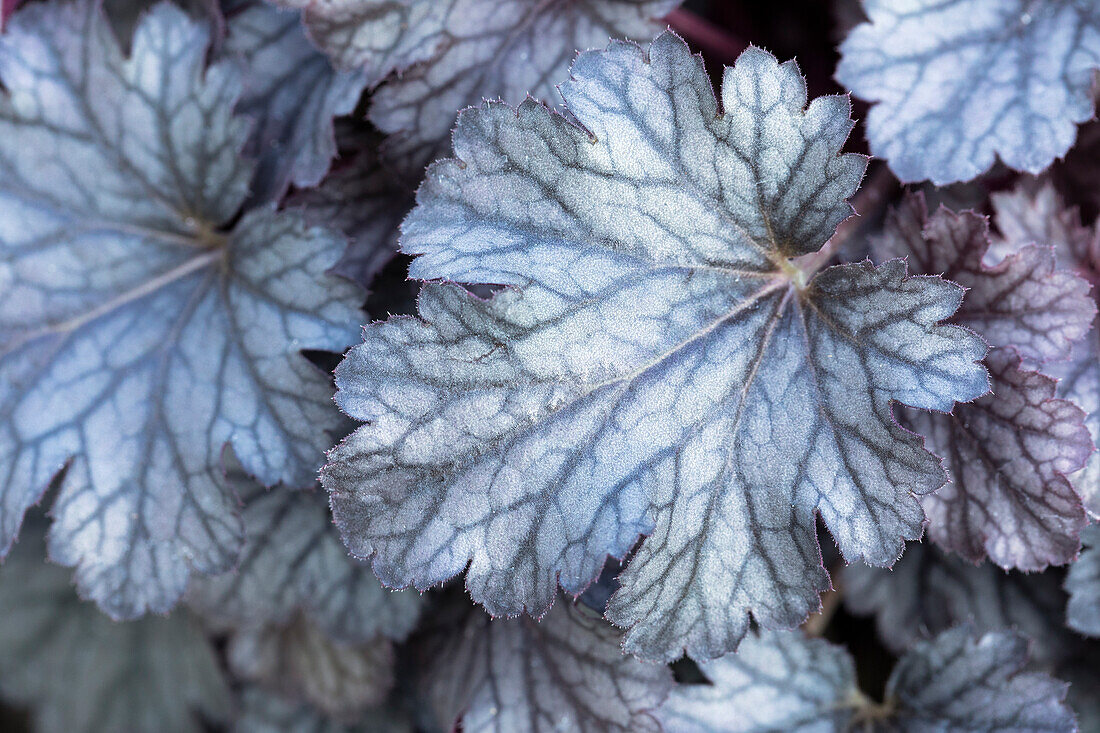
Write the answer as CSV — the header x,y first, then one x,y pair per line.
x,y
139,331
1010,451
566,672
958,82
293,562
1018,216
80,672
929,591
291,93
779,681
663,367
785,682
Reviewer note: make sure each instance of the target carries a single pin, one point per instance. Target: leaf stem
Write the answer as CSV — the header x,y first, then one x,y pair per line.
x,y
713,40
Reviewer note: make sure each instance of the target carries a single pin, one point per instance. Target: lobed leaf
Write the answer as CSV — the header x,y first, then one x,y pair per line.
x,y
929,591
364,201
961,682
661,366
955,83
143,326
451,54
566,672
294,563
1009,452
291,94
1077,248
955,682
1022,302
777,681
496,49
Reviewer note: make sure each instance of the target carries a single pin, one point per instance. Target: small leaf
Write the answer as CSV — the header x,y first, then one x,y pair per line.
x,y
291,93
929,591
958,682
566,672
959,82
1022,301
1009,452
1083,586
1077,249
293,562
299,660
778,681
951,683
80,672
364,201
1034,213
497,49
141,331
662,365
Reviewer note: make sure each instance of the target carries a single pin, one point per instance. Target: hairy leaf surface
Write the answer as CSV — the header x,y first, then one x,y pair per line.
x,y
958,82
293,562
955,682
80,672
929,591
300,661
454,53
291,93
139,331
1023,301
778,681
1019,216
566,672
497,49
1010,451
662,366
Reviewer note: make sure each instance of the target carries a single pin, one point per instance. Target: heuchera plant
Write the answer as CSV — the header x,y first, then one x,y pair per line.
x,y
390,365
